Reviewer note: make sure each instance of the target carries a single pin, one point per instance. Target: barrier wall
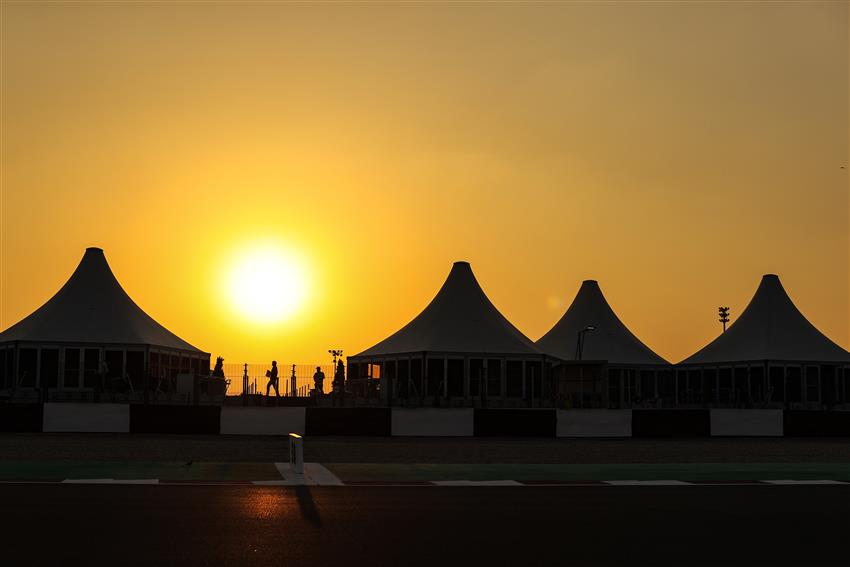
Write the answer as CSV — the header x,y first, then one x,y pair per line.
x,y
671,423
433,422
349,421
816,423
175,419
514,422
21,417
87,418
746,423
594,423
426,422
262,421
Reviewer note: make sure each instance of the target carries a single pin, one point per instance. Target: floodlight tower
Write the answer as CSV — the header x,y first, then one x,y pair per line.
x,y
336,353
724,316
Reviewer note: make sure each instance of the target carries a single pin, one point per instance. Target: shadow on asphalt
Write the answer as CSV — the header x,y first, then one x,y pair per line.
x,y
308,506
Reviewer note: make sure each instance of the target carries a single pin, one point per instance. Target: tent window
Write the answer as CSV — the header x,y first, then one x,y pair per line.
x,y
647,385
614,387
682,386
812,384
3,374
725,380
435,377
776,384
136,368
416,378
741,386
403,380
476,376
90,366
513,379
793,385
533,380
455,378
846,385
27,367
115,368
829,376
757,388
49,367
666,387
71,375
494,378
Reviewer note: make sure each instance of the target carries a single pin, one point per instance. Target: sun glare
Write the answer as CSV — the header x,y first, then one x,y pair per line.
x,y
266,285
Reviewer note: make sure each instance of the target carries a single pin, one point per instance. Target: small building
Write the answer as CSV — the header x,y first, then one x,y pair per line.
x,y
598,362
460,350
770,356
91,331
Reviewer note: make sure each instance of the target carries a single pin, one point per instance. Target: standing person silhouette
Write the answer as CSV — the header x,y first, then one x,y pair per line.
x,y
319,381
272,376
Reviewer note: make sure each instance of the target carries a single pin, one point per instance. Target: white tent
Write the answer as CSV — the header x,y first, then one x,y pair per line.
x,y
770,328
609,340
601,362
460,343
91,321
459,319
771,354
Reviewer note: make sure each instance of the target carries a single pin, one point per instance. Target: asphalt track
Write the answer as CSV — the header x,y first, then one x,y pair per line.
x,y
54,524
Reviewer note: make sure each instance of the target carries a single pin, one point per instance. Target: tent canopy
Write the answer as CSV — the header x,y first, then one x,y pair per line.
x,y
770,328
92,307
610,340
459,319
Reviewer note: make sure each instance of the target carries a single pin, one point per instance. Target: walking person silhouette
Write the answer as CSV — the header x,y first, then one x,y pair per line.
x,y
272,376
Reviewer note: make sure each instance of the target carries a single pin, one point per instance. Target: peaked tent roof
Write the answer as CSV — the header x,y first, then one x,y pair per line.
x,y
460,318
770,328
611,340
92,307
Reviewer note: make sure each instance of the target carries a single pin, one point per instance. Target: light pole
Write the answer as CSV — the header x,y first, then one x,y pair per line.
x,y
580,341
724,316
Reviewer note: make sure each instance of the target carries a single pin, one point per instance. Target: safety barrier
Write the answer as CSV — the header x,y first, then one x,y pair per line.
x,y
746,423
87,418
424,422
515,423
802,423
594,423
349,421
433,422
671,423
175,419
262,421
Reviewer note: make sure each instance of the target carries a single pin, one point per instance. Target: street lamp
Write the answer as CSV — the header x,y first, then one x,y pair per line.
x,y
580,340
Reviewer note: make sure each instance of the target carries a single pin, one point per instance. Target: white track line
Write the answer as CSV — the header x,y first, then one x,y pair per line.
x,y
647,483
785,482
476,483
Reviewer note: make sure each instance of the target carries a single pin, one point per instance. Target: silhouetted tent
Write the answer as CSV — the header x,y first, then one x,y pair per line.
x,y
770,354
459,346
91,325
600,362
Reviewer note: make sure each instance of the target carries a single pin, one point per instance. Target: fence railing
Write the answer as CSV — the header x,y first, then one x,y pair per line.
x,y
257,380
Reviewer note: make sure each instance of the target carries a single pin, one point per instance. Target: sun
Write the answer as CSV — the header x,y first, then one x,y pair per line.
x,y
267,284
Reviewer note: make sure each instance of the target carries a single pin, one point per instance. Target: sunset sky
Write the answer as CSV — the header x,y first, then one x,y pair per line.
x,y
673,151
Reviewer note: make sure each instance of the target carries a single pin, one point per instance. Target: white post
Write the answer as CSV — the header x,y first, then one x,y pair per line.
x,y
296,453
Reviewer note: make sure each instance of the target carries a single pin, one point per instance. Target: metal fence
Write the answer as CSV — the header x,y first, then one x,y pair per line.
x,y
257,380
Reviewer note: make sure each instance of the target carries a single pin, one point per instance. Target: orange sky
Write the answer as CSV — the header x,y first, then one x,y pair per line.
x,y
673,151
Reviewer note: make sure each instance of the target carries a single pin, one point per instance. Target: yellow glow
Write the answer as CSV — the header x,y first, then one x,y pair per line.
x,y
673,151
266,284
